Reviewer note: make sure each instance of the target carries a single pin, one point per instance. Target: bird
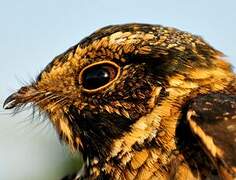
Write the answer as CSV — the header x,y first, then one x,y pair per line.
x,y
140,101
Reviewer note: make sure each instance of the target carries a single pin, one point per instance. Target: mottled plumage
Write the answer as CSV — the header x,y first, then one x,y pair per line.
x,y
141,102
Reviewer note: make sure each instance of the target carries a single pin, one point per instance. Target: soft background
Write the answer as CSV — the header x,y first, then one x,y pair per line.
x,y
33,32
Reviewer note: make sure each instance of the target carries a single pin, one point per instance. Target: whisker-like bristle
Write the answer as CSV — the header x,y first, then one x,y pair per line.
x,y
60,101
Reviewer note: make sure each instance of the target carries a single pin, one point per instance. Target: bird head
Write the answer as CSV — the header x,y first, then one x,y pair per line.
x,y
98,89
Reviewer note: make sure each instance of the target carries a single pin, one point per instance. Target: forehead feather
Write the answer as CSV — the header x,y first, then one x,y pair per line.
x,y
113,42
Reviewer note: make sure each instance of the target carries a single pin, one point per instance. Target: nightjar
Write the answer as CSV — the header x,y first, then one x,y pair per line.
x,y
141,101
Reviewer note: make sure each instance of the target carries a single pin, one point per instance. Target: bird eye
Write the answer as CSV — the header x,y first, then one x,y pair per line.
x,y
99,75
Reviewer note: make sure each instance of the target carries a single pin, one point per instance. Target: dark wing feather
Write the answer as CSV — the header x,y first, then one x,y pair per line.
x,y
212,118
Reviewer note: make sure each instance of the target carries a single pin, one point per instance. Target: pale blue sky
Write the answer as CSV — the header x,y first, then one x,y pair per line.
x,y
33,32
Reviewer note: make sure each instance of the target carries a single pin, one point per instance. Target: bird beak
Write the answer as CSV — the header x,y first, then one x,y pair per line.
x,y
24,95
10,102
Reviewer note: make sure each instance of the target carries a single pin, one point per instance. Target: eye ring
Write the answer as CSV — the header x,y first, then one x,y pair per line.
x,y
112,68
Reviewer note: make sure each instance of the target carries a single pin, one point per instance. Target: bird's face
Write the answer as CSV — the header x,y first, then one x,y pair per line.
x,y
96,90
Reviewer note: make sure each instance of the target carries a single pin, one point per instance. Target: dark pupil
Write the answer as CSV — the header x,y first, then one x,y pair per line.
x,y
95,78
